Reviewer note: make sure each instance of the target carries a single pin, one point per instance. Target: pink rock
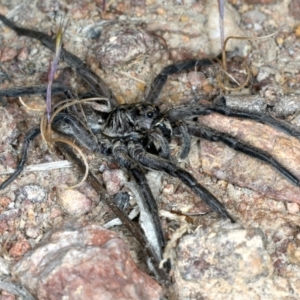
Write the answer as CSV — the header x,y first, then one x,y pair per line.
x,y
84,261
19,248
23,54
8,54
7,296
244,171
114,180
74,202
294,9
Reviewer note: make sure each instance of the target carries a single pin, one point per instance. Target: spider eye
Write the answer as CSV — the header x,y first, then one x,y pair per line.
x,y
150,114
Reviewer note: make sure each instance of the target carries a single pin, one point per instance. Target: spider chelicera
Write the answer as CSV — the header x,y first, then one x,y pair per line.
x,y
137,136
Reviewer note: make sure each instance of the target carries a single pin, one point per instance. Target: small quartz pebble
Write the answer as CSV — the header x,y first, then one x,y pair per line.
x,y
74,202
293,253
114,180
7,296
7,126
8,54
32,192
33,232
19,248
23,54
292,208
169,189
84,261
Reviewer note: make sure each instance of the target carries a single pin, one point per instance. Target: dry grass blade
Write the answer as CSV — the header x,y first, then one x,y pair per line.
x,y
228,88
224,63
28,107
73,145
49,136
61,164
73,102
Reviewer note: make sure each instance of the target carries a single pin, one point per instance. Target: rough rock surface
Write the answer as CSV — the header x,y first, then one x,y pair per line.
x,y
224,162
225,261
253,193
84,261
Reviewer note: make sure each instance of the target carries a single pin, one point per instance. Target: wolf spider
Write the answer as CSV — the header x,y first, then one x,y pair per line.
x,y
137,136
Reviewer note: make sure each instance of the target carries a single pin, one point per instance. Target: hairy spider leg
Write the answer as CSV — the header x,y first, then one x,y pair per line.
x,y
191,111
158,84
185,140
72,128
66,124
95,82
33,90
29,137
160,80
215,136
264,118
120,154
186,112
97,184
159,143
151,161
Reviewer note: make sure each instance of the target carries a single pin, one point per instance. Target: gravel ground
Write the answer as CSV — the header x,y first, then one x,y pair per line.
x,y
127,45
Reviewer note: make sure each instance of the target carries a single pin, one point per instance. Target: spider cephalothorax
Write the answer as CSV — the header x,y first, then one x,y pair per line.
x,y
137,136
134,121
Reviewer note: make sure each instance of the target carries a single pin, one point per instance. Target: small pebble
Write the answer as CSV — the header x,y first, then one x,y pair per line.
x,y
279,40
19,248
168,189
32,192
23,54
114,180
74,203
3,10
160,11
184,18
8,54
34,51
5,201
292,208
32,232
297,31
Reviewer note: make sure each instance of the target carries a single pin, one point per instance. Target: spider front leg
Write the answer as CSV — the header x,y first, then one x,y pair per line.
x,y
65,124
184,112
191,111
96,83
122,158
160,80
33,90
151,161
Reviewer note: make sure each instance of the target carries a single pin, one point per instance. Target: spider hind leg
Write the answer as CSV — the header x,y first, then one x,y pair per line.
x,y
151,161
214,136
